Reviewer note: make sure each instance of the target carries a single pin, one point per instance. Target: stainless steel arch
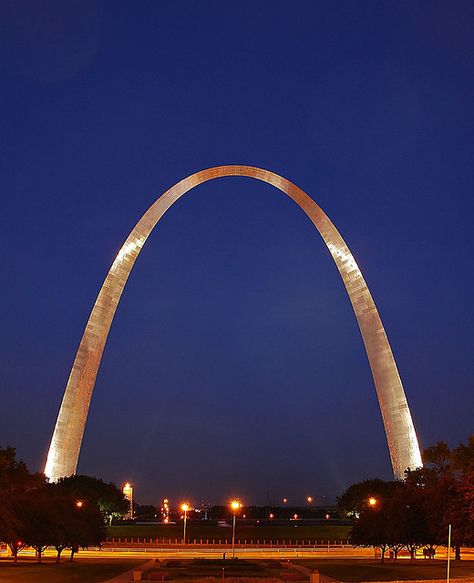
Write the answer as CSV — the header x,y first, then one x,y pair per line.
x,y
69,430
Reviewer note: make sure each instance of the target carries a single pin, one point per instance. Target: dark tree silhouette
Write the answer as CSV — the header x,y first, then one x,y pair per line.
x,y
109,499
416,513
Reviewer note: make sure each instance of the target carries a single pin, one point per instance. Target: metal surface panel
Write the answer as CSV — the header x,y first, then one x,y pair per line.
x,y
69,430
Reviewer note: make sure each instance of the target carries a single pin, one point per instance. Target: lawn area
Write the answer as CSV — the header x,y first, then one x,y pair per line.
x,y
243,532
361,570
80,571
201,568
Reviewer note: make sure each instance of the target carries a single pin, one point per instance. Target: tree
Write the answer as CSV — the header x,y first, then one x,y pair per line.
x,y
407,517
452,479
11,529
416,513
354,500
463,465
63,523
370,530
37,512
377,522
72,524
17,483
462,457
439,457
85,528
434,505
15,476
109,499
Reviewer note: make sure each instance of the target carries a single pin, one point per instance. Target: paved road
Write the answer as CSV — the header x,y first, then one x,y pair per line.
x,y
244,553
194,553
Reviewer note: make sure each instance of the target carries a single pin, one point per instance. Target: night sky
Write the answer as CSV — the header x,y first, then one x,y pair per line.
x,y
235,365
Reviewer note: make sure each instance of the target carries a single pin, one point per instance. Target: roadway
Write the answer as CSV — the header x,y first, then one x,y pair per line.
x,y
253,553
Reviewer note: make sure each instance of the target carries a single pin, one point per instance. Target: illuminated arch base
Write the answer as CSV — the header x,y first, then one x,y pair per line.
x,y
69,430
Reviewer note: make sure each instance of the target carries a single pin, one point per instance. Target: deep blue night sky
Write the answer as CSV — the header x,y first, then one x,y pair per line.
x,y
235,365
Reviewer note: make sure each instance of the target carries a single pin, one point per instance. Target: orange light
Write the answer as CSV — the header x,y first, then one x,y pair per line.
x,y
309,499
295,516
285,500
373,501
235,505
79,503
184,507
271,515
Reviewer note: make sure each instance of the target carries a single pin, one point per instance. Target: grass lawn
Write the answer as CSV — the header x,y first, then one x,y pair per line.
x,y
346,570
243,532
80,571
361,570
200,568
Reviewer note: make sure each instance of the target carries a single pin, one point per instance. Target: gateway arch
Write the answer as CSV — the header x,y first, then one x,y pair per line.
x,y
69,429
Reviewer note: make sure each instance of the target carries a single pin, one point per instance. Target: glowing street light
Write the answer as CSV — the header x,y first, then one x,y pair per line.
x,y
127,490
184,508
309,499
79,504
235,505
372,502
285,500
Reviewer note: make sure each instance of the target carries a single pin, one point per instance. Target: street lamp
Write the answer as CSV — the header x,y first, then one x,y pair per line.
x,y
372,502
184,508
235,505
127,490
79,504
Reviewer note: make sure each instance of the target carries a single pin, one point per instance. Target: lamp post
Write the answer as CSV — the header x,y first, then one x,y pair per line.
x,y
127,490
184,508
448,564
235,505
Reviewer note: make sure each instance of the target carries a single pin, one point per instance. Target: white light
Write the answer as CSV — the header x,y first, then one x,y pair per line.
x,y
345,256
127,248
